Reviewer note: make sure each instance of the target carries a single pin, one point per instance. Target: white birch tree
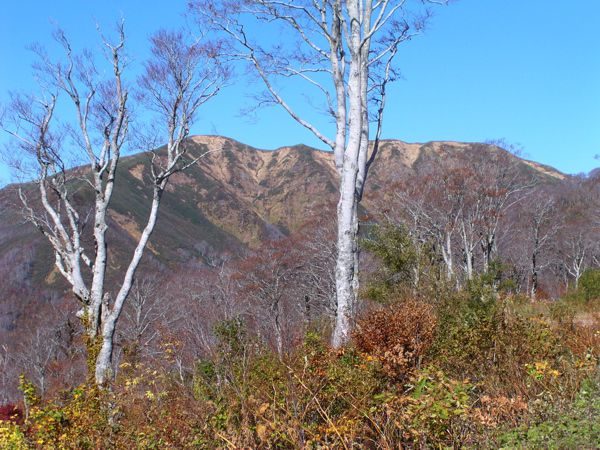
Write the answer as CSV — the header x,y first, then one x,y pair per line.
x,y
176,81
342,50
541,228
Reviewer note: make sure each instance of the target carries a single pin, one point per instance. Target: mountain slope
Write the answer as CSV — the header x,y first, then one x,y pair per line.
x,y
234,198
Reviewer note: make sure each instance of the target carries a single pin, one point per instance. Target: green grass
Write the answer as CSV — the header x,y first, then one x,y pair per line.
x,y
571,426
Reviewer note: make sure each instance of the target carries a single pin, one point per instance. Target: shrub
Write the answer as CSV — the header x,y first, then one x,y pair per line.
x,y
394,248
437,410
589,285
488,340
574,425
10,413
11,437
406,265
397,336
477,371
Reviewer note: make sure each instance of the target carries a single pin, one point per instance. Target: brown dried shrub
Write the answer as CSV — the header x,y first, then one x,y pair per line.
x,y
499,410
582,335
397,336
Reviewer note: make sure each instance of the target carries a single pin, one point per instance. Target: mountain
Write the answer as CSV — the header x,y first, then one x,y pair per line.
x,y
594,173
233,199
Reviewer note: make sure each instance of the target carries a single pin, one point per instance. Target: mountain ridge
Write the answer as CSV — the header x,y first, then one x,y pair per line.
x,y
233,198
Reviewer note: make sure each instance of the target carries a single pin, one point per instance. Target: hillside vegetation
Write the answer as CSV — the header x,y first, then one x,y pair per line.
x,y
479,368
478,325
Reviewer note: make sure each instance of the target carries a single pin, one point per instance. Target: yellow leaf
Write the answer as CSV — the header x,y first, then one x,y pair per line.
x,y
261,431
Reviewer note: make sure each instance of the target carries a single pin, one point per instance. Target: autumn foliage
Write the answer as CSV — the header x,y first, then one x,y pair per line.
x,y
238,358
397,337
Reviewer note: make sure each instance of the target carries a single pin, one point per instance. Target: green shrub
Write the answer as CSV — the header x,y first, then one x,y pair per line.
x,y
575,425
409,268
488,340
393,246
589,285
438,410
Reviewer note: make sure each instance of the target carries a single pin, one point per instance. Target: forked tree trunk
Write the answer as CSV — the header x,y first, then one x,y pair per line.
x,y
340,32
103,369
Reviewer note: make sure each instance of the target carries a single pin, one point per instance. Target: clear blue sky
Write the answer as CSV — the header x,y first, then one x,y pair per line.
x,y
524,70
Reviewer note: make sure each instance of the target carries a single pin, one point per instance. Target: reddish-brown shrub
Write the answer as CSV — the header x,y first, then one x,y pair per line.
x,y
11,413
397,336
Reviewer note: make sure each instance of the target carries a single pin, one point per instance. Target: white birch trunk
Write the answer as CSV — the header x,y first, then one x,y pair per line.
x,y
346,283
447,255
468,253
339,34
345,263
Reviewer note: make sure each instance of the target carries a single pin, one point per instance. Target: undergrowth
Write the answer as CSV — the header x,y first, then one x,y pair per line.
x,y
476,371
479,368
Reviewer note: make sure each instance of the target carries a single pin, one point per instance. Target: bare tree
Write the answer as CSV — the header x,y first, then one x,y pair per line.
x,y
430,205
266,279
578,253
7,374
177,80
543,228
458,205
343,51
578,236
490,183
38,350
314,247
148,312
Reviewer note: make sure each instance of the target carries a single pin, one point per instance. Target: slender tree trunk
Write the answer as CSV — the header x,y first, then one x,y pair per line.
x,y
468,253
355,231
97,289
469,263
447,255
488,246
104,359
347,258
278,335
577,272
345,267
534,281
534,270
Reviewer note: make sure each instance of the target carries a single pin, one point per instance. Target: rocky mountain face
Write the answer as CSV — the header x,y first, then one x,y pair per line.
x,y
233,199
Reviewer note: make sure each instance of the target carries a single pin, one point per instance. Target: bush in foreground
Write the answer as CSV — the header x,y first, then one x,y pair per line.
x,y
475,371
